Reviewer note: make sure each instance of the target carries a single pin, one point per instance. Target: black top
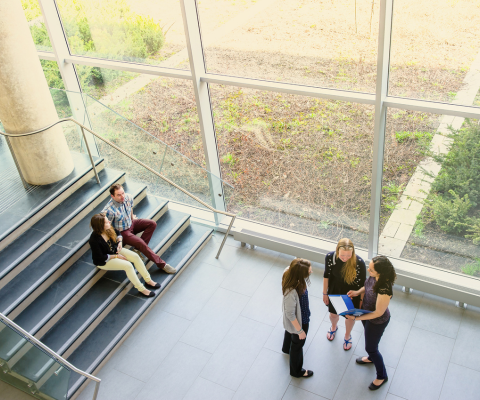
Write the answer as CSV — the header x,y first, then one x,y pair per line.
x,y
101,248
370,299
336,283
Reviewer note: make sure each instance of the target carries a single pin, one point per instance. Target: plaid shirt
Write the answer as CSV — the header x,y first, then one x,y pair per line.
x,y
120,214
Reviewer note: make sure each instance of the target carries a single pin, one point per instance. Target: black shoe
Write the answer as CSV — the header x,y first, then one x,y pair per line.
x,y
157,286
360,361
151,294
309,374
375,387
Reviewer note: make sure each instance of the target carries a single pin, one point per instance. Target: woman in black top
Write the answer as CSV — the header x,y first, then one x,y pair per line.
x,y
378,291
108,254
344,271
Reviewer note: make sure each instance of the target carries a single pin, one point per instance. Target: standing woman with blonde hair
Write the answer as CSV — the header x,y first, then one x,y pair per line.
x,y
294,286
344,271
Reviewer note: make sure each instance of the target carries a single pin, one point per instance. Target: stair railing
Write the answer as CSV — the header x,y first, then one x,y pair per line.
x,y
83,128
50,352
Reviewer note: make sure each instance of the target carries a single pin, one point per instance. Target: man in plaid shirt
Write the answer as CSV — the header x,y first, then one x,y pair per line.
x,y
119,211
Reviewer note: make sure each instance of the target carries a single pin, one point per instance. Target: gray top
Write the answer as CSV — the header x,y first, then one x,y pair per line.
x,y
291,310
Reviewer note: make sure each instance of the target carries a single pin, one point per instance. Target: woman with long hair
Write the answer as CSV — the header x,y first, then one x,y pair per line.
x,y
108,254
344,271
377,291
294,286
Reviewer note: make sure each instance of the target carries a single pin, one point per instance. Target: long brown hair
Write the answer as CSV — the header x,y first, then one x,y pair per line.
x,y
98,226
296,276
349,270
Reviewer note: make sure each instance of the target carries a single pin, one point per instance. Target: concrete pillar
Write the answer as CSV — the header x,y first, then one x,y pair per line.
x,y
26,104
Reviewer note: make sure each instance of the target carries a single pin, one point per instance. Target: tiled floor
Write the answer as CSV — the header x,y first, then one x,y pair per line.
x,y
217,333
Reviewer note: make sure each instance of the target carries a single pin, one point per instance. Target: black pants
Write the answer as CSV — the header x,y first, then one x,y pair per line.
x,y
294,346
373,334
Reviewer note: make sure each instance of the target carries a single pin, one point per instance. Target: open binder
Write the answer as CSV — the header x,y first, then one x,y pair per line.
x,y
344,305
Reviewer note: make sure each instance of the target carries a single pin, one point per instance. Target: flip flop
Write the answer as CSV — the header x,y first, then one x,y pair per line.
x,y
332,333
347,342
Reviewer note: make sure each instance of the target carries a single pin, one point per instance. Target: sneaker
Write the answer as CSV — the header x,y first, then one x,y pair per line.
x,y
169,269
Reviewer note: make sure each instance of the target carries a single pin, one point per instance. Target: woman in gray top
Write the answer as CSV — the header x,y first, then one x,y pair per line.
x,y
294,285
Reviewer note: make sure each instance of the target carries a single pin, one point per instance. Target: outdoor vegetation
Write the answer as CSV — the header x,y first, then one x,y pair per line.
x,y
300,163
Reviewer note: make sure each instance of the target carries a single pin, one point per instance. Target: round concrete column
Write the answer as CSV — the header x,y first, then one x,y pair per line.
x,y
26,104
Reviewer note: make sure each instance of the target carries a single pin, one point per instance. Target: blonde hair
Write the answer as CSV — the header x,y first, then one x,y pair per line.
x,y
349,270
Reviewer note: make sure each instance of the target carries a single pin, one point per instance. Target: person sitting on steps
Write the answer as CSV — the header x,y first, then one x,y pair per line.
x,y
119,211
108,254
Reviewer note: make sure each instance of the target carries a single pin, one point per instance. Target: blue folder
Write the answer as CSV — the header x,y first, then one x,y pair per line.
x,y
347,304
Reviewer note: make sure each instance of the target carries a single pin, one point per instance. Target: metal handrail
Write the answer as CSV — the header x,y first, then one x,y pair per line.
x,y
57,357
83,128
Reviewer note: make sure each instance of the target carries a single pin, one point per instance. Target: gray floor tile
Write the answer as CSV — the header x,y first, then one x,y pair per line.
x,y
194,292
228,257
356,380
295,393
203,389
237,352
423,365
266,303
466,351
248,274
176,374
316,279
214,321
328,361
153,339
461,383
439,316
392,342
115,386
217,238
405,306
268,378
393,397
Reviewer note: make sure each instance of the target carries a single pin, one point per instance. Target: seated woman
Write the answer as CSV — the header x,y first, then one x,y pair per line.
x,y
108,254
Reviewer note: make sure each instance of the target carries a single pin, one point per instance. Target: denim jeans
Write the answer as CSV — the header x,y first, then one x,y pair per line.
x,y
373,334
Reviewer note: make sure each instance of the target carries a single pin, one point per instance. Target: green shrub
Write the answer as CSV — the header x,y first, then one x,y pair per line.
x,y
451,215
461,165
472,268
474,230
102,29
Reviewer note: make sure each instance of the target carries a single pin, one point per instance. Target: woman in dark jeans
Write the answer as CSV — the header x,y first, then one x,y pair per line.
x,y
378,291
296,314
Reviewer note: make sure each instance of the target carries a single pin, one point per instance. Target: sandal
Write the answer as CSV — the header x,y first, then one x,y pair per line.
x,y
332,333
347,342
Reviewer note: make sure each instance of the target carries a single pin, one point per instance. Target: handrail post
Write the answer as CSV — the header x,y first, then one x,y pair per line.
x,y
225,237
95,392
90,155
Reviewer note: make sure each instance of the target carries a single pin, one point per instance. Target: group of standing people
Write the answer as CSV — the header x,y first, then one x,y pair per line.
x,y
345,274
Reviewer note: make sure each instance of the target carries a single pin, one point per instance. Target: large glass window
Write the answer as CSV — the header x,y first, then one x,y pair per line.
x,y
320,43
434,46
134,31
430,200
299,163
36,24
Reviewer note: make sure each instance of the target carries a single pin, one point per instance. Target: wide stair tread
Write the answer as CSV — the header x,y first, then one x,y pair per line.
x,y
27,206
44,229
122,318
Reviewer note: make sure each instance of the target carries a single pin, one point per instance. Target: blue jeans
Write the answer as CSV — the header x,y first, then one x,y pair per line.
x,y
373,334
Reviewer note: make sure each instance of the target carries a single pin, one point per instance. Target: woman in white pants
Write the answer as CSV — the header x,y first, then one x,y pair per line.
x,y
108,254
